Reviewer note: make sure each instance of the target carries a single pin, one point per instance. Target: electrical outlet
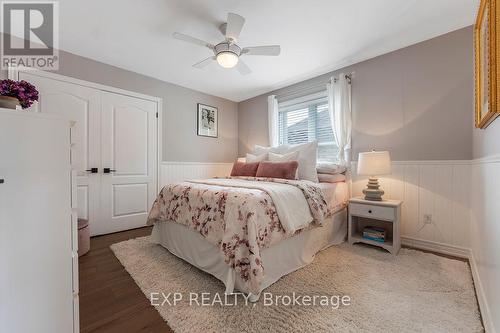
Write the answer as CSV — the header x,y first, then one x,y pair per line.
x,y
427,219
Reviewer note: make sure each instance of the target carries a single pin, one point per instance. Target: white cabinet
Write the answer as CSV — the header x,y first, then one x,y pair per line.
x,y
37,267
384,214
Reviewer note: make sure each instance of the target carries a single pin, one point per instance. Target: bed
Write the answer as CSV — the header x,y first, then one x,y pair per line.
x,y
249,232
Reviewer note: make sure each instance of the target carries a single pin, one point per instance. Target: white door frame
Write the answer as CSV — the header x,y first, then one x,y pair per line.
x,y
13,74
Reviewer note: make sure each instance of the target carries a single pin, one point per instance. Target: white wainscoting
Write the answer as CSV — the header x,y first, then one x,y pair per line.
x,y
172,172
485,228
438,188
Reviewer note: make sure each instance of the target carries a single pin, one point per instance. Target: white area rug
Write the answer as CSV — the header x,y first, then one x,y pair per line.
x,y
412,292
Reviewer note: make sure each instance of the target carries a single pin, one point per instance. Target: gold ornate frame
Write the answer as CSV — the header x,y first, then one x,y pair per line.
x,y
482,121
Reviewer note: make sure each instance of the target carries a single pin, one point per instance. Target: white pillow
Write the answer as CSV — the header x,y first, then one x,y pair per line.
x,y
293,156
308,153
330,168
329,178
259,150
251,158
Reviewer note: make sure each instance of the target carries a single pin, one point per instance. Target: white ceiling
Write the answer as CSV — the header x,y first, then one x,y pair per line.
x,y
316,36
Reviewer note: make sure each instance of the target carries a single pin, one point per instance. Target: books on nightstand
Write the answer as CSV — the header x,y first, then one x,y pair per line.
x,y
374,233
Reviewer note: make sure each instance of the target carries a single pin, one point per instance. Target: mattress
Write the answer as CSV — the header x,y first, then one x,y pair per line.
x,y
336,194
277,258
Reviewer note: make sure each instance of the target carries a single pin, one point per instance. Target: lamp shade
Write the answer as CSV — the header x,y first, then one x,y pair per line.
x,y
374,163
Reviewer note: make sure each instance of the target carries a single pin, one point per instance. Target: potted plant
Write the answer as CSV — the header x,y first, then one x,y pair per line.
x,y
13,93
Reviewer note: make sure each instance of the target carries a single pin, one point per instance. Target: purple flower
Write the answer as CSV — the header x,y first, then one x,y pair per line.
x,y
24,91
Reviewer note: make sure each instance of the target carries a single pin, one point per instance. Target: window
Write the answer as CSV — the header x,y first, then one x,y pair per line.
x,y
307,119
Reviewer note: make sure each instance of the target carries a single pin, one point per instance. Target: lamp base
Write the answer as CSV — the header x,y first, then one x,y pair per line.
x,y
372,191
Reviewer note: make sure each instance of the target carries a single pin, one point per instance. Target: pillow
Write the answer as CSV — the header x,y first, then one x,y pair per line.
x,y
244,169
259,150
256,158
293,156
284,170
328,178
307,160
330,168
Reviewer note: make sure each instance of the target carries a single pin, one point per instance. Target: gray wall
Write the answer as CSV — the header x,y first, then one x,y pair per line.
x,y
415,102
180,142
486,142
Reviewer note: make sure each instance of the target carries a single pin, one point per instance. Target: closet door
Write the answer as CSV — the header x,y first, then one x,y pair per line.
x,y
82,105
129,151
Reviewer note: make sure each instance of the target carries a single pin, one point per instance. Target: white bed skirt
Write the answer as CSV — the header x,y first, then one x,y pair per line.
x,y
279,260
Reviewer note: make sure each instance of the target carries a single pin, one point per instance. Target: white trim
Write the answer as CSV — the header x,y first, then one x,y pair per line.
x,y
481,296
318,96
13,74
421,244
430,162
434,162
487,160
159,144
195,163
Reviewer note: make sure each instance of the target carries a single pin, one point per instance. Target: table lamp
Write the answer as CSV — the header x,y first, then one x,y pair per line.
x,y
372,164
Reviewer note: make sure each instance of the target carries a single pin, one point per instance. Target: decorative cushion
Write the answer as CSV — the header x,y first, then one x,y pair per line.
x,y
259,150
328,178
330,168
308,153
244,169
251,158
293,156
284,170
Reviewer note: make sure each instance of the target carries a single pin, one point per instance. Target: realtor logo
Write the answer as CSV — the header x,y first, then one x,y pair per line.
x,y
30,34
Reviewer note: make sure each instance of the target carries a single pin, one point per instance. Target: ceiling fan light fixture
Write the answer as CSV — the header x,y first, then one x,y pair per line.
x,y
227,59
227,52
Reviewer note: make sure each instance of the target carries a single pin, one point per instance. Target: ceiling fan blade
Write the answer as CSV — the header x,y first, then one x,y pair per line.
x,y
243,68
191,40
204,63
234,25
269,50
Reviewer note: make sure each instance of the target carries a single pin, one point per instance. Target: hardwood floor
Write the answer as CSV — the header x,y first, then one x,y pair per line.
x,y
110,301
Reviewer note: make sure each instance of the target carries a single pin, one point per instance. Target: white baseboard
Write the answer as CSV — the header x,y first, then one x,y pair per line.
x,y
451,250
481,296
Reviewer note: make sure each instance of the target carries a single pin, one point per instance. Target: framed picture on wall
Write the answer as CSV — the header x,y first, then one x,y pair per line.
x,y
487,69
207,121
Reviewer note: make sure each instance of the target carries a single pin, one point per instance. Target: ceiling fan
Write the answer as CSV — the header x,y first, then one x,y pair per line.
x,y
228,53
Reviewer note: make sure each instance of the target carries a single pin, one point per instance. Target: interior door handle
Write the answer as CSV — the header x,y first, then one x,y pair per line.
x,y
108,170
93,170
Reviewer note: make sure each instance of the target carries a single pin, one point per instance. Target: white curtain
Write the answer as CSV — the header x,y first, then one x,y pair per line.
x,y
339,106
272,113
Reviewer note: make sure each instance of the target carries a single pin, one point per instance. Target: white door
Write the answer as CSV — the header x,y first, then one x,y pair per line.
x,y
112,131
83,106
129,151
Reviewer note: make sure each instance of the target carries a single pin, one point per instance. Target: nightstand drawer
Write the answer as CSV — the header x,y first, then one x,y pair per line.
x,y
370,211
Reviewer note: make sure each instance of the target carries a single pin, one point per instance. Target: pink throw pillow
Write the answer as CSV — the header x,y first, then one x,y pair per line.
x,y
284,170
242,169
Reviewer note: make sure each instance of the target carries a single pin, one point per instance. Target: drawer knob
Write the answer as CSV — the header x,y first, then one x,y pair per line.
x,y
370,211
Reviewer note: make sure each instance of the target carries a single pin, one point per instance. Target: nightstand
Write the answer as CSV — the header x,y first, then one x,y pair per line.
x,y
383,214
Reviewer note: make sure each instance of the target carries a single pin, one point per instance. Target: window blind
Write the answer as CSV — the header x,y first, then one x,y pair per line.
x,y
307,119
